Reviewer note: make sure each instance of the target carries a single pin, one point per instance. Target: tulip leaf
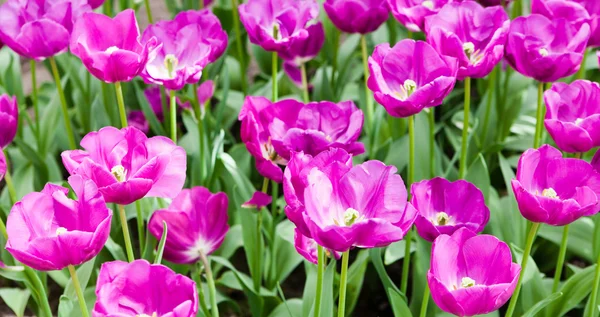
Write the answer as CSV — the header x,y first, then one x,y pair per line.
x,y
542,304
115,250
478,175
356,275
148,112
397,299
291,308
16,299
395,252
513,225
579,242
398,303
161,244
84,272
286,256
574,290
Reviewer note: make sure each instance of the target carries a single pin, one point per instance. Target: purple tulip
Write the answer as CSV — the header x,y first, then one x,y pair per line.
x,y
412,13
341,206
555,190
410,76
137,120
9,119
48,231
196,223
472,34
307,248
127,166
303,50
276,24
152,94
258,201
444,207
110,48
470,274
189,42
271,131
357,16
143,289
545,49
39,28
2,165
573,115
593,9
561,9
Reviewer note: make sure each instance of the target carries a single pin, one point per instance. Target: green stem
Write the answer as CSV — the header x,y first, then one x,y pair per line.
x,y
369,102
320,269
148,11
594,295
238,41
3,230
406,262
265,185
462,171
126,236
165,107
304,83
121,103
201,4
343,284
539,117
12,193
581,72
274,76
173,115
140,226
78,291
63,102
197,277
256,279
211,285
529,244
432,141
561,258
516,9
488,106
34,98
410,180
425,301
200,118
336,45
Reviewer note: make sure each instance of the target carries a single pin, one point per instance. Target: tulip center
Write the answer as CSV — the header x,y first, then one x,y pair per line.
x,y
351,216
276,34
428,4
154,314
544,52
408,88
61,230
578,121
119,172
442,218
550,193
467,282
474,56
111,49
171,63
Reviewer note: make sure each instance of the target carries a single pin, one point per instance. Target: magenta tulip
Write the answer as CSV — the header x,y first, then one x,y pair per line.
x,y
95,3
544,49
39,28
412,13
341,206
470,274
307,248
137,120
555,190
196,223
110,48
357,16
143,289
444,207
472,34
258,201
561,9
9,119
2,165
153,96
276,24
410,76
127,166
48,231
303,50
271,131
593,9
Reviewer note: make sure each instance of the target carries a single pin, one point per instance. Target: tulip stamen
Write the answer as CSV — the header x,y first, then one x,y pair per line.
x,y
550,193
442,218
119,172
171,63
408,88
111,50
467,282
276,34
474,55
544,52
61,230
428,4
351,216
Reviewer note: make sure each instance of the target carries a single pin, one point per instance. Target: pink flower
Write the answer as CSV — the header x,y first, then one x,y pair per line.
x,y
9,119
307,248
258,201
138,120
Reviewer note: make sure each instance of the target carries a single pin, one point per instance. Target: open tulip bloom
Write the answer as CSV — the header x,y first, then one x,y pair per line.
x,y
357,16
9,119
412,13
571,11
471,274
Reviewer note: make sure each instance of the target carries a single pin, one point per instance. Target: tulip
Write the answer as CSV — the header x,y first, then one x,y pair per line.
x,y
48,231
545,49
593,9
410,76
307,248
143,289
258,201
95,3
153,96
9,119
2,165
554,190
472,34
561,9
39,29
110,48
137,120
271,131
444,207
303,50
412,13
127,166
357,16
470,274
196,222
342,206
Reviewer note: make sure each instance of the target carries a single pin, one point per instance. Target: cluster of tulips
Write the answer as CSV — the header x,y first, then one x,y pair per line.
x,y
336,202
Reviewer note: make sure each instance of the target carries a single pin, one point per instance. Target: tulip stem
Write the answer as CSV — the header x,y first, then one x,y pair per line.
x,y
148,11
369,102
488,105
165,107
84,310
196,273
12,193
126,237
63,101
39,291
336,44
432,142
406,262
320,269
425,301
529,244
34,98
539,117
462,170
211,285
343,284
238,42
200,118
121,103
274,76
561,258
410,180
581,72
140,225
304,83
173,115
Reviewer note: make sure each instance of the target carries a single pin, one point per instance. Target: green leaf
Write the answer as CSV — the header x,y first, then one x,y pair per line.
x,y
356,275
287,258
510,220
84,272
542,304
148,112
574,290
398,304
291,308
478,175
579,242
395,252
16,299
161,244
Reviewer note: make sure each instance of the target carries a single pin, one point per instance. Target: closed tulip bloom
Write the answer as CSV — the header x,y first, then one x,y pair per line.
x,y
271,131
196,223
557,9
39,28
410,76
573,115
143,289
307,248
357,16
258,201
545,49
276,24
110,48
127,166
472,34
48,231
2,165
412,13
471,274
190,41
342,206
444,207
9,119
555,190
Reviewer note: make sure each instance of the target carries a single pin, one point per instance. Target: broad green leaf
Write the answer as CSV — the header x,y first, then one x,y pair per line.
x,y
574,290
84,272
16,299
542,304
